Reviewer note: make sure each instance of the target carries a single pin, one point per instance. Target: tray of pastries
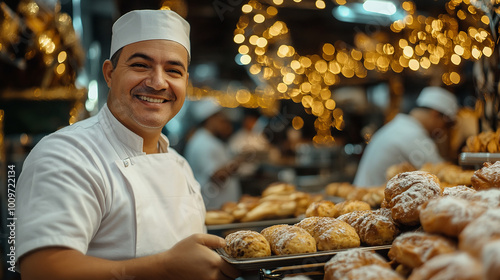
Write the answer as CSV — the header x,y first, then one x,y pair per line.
x,y
276,261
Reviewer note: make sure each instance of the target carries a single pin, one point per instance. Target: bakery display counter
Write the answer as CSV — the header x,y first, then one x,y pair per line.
x,y
477,159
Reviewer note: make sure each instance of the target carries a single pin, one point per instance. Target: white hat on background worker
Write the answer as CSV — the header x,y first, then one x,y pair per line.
x,y
144,25
204,108
439,99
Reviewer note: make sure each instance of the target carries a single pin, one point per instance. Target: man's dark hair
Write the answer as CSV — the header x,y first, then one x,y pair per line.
x,y
116,56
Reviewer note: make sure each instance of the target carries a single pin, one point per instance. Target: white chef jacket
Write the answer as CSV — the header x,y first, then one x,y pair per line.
x,y
206,153
71,192
402,139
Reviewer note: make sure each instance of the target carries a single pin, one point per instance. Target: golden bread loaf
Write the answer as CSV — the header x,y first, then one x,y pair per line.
x,y
449,215
330,233
344,262
478,233
456,266
374,227
350,206
406,191
278,188
287,239
218,217
412,249
487,177
247,244
459,191
322,208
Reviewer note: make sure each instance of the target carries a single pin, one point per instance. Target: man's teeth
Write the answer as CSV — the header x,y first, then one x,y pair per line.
x,y
149,99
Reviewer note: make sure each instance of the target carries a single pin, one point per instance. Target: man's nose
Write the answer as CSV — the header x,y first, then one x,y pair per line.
x,y
157,79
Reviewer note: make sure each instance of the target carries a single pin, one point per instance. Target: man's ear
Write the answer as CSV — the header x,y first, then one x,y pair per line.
x,y
107,70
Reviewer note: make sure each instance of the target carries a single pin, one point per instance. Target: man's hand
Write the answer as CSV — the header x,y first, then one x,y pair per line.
x,y
191,258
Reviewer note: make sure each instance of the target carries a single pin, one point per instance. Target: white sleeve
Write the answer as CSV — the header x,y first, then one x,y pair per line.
x,y
59,197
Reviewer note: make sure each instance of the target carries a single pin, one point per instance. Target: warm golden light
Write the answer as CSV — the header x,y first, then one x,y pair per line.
x,y
320,4
455,77
246,8
259,18
297,122
243,49
61,57
239,38
455,59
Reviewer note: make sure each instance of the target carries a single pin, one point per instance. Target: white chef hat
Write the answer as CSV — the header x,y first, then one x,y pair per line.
x,y
439,99
143,25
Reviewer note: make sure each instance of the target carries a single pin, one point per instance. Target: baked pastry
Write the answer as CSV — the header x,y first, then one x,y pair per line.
x,y
406,191
340,189
343,262
456,266
247,244
490,197
270,209
490,258
322,208
372,272
375,196
449,215
372,226
487,177
287,239
330,233
412,249
395,169
218,217
245,204
351,205
455,175
278,188
460,191
480,232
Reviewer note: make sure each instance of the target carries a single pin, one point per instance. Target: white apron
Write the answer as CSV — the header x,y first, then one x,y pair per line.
x,y
167,207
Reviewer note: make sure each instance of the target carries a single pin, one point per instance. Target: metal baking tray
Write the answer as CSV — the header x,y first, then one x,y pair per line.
x,y
263,223
477,158
276,261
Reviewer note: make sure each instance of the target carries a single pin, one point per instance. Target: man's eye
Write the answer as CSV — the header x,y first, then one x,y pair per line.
x,y
139,65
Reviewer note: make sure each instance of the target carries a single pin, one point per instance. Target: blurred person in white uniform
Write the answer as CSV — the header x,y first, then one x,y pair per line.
x,y
408,137
208,153
107,198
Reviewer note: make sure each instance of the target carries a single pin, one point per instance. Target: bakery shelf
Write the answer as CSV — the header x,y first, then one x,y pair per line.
x,y
475,159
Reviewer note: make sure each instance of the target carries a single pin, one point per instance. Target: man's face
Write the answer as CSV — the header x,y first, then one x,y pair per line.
x,y
148,85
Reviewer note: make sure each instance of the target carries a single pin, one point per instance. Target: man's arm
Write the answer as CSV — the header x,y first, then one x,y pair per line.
x,y
191,258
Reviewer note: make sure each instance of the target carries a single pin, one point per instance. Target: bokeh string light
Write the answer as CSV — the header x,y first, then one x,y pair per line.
x,y
424,44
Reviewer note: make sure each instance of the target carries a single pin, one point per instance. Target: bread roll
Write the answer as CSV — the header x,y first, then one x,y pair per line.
x,y
460,191
218,217
490,257
490,197
330,233
322,208
350,206
279,188
487,177
478,233
412,249
340,189
287,239
456,266
405,192
373,227
343,262
247,244
449,215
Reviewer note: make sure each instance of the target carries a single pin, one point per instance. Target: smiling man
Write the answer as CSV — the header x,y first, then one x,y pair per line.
x,y
107,198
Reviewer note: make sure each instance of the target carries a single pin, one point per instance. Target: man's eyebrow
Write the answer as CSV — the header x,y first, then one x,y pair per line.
x,y
148,58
